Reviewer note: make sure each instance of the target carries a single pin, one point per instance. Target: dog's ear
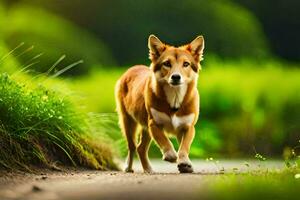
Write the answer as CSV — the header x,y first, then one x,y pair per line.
x,y
156,47
196,48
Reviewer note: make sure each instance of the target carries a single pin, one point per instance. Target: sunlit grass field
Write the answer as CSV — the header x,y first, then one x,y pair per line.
x,y
281,184
234,81
245,106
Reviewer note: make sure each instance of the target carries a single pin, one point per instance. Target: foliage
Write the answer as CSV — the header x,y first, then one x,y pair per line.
x,y
49,36
245,105
283,33
7,61
230,30
41,127
255,106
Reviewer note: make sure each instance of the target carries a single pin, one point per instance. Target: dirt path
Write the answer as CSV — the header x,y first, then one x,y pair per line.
x,y
165,184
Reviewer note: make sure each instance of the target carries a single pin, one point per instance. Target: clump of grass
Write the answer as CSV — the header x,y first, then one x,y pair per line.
x,y
277,184
255,184
40,127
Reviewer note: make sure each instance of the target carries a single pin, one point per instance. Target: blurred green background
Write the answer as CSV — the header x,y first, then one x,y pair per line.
x,y
249,85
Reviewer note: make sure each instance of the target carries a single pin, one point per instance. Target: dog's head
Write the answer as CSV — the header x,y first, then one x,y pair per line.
x,y
175,65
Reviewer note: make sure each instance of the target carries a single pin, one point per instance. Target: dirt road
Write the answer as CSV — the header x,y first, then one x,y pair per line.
x,y
166,183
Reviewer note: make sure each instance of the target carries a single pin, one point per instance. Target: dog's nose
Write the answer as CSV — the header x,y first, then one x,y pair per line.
x,y
176,77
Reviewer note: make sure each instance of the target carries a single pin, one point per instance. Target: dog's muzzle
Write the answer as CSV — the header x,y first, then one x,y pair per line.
x,y
175,79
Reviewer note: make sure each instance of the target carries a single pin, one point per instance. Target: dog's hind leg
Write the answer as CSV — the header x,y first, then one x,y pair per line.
x,y
142,150
129,129
127,125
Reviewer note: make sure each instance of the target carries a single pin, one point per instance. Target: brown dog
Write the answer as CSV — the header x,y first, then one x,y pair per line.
x,y
161,99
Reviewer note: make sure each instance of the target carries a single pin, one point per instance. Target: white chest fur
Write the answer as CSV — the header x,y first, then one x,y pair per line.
x,y
174,120
175,95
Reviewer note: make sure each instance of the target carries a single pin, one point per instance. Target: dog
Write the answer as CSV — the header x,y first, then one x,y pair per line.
x,y
161,99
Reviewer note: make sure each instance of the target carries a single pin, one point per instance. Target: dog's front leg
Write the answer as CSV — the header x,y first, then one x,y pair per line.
x,y
185,137
169,154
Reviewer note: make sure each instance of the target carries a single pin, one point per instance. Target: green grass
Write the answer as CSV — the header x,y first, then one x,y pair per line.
x,y
279,185
39,127
242,110
244,106
97,89
51,40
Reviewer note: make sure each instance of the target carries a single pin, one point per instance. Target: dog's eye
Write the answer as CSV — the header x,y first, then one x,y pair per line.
x,y
167,64
186,64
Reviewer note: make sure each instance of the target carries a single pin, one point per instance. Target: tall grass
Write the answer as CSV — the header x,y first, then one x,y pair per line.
x,y
41,127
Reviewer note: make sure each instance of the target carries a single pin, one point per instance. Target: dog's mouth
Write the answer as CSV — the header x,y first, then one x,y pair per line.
x,y
175,83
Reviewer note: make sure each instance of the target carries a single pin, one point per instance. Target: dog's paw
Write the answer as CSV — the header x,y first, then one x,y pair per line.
x,y
129,170
185,167
170,156
148,171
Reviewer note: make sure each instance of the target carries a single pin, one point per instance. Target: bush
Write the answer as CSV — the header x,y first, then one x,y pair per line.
x,y
53,37
1,18
230,30
7,62
253,109
39,127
